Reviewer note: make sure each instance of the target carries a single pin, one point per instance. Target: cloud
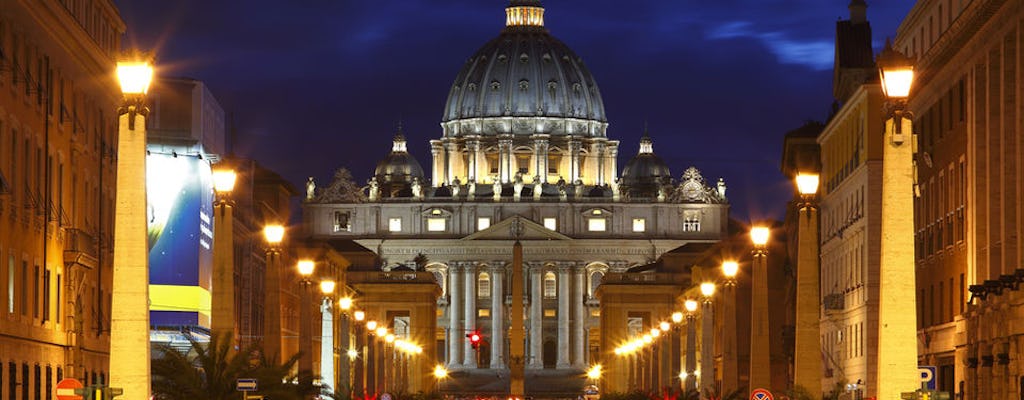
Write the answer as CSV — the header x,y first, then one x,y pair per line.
x,y
817,54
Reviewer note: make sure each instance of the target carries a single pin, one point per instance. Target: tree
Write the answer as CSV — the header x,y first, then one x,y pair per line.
x,y
208,371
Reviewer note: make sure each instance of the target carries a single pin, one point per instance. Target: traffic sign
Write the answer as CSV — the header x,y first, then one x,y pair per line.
x,y
66,389
761,394
245,384
927,376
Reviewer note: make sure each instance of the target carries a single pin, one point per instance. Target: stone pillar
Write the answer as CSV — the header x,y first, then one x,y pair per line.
x,y
473,169
599,151
438,172
707,346
506,166
580,319
540,156
452,153
564,293
760,377
574,159
691,351
536,359
455,331
498,315
272,301
611,154
327,344
469,355
806,356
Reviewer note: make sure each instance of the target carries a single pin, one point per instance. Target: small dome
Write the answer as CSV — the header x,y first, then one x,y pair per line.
x,y
646,168
399,166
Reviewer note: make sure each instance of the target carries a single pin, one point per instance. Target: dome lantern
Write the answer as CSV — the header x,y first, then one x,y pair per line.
x,y
524,13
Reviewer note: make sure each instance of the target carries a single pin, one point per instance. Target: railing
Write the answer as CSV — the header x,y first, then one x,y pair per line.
x,y
390,277
834,302
79,241
616,278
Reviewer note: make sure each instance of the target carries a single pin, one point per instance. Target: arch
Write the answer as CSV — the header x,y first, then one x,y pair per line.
x,y
595,273
483,285
550,285
549,352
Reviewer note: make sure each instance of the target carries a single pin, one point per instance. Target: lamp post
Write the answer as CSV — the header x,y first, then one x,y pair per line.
x,y
345,340
359,369
222,319
272,293
379,358
760,377
730,374
306,268
807,350
674,352
327,335
129,309
897,320
691,345
707,337
370,354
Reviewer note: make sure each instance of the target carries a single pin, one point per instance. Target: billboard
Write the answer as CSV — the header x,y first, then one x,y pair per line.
x,y
179,193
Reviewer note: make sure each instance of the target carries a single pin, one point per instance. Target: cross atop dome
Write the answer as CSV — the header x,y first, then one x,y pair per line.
x,y
646,144
524,13
399,141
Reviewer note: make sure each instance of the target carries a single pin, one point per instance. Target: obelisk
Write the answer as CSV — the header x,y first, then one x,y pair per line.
x,y
516,351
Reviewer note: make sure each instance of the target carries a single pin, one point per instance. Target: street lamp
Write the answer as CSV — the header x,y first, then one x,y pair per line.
x,y
129,310
759,343
807,350
897,332
222,322
691,344
274,234
674,350
327,334
707,337
345,341
730,373
305,268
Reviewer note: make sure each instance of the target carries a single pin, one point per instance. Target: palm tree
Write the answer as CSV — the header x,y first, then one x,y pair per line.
x,y
208,371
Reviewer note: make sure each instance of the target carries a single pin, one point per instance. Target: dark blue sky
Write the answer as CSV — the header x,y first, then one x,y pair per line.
x,y
314,85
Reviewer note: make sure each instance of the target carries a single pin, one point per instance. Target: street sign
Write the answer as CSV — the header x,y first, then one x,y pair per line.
x,y
761,394
927,376
245,384
66,389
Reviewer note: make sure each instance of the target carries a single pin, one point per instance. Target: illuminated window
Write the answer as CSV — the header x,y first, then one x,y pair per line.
x,y
483,312
595,312
341,221
549,312
549,285
436,224
483,223
551,223
639,225
596,224
483,285
395,224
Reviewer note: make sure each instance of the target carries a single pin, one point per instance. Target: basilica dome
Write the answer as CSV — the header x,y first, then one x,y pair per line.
x,y
399,165
645,172
524,81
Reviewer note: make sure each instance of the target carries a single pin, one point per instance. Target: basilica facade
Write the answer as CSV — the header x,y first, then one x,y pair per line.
x,y
524,155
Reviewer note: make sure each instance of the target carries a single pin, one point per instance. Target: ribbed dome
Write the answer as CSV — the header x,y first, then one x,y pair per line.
x,y
399,165
525,72
646,167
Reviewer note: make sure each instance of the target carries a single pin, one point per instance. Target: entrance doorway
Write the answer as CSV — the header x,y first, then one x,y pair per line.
x,y
550,350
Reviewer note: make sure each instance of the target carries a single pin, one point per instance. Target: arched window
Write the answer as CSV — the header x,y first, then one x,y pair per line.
x,y
483,285
549,285
595,281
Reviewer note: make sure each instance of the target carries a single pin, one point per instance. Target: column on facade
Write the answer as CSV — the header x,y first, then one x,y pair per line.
x,y
438,171
598,149
564,293
611,154
455,331
473,147
498,315
505,161
579,359
536,359
452,153
469,355
540,156
574,159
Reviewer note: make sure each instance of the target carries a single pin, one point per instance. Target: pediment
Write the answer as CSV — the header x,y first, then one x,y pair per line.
x,y
528,230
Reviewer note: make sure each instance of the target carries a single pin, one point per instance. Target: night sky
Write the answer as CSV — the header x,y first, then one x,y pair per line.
x,y
314,85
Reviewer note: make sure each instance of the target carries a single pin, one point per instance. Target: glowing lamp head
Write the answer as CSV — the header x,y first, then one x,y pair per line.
x,y
691,305
345,303
655,332
359,315
134,76
730,268
273,233
352,354
707,289
683,375
440,372
897,72
759,235
594,372
807,183
381,331
664,325
371,326
306,268
389,338
677,317
327,286
224,180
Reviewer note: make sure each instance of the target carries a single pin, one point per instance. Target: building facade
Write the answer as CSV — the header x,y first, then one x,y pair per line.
x,y
58,100
524,155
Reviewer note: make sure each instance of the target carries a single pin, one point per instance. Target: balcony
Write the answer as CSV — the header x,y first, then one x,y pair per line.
x,y
834,302
419,277
641,278
80,248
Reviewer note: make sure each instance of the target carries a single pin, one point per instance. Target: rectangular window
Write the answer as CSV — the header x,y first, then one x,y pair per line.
x,y
341,221
46,295
639,225
10,284
436,224
551,223
12,381
57,302
35,294
596,224
395,224
24,288
549,312
483,223
483,312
